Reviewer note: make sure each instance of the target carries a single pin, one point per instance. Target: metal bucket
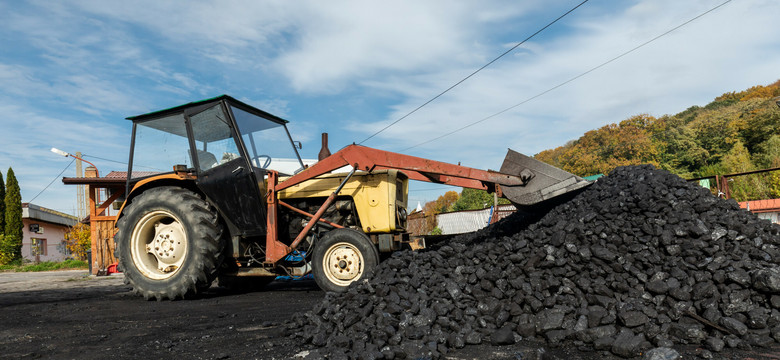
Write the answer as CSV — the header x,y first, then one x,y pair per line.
x,y
543,182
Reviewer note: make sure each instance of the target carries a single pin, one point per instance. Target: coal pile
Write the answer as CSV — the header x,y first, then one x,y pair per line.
x,y
639,260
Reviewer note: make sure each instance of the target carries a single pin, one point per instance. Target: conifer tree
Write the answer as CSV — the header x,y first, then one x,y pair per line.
x,y
12,240
2,204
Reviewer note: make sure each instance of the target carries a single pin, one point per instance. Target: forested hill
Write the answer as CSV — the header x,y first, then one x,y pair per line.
x,y
736,132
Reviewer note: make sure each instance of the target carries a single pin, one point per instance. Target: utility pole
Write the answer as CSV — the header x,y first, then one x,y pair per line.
x,y
81,199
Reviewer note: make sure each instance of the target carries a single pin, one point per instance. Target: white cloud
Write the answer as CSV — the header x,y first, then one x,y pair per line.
x,y
356,62
712,55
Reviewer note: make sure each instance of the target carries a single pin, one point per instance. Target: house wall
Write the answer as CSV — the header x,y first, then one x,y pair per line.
x,y
460,222
54,234
768,209
771,216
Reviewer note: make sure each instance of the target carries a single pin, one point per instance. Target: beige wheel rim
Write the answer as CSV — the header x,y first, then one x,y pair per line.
x,y
158,245
343,264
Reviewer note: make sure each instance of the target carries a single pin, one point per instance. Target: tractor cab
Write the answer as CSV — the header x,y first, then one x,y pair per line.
x,y
216,142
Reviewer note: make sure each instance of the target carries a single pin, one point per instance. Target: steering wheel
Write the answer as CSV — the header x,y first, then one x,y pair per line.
x,y
265,163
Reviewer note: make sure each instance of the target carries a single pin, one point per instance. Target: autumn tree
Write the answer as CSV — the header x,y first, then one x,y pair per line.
x,y
769,157
774,184
475,199
77,240
11,247
737,160
2,204
737,130
629,142
442,204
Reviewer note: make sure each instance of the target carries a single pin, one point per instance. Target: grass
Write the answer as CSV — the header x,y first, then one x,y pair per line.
x,y
45,266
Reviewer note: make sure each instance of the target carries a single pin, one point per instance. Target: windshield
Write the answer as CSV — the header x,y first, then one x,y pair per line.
x,y
214,142
161,140
160,144
268,143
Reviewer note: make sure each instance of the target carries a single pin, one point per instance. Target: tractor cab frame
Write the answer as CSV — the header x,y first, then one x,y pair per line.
x,y
215,142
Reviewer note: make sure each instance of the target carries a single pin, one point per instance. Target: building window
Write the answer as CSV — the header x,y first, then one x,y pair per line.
x,y
63,248
38,247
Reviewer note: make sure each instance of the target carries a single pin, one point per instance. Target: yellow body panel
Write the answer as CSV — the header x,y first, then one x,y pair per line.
x,y
377,195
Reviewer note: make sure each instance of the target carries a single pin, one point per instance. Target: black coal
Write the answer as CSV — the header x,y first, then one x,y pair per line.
x,y
640,259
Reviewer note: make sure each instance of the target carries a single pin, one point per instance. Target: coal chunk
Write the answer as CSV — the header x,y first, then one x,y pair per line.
x,y
715,344
734,326
661,353
503,336
767,280
627,344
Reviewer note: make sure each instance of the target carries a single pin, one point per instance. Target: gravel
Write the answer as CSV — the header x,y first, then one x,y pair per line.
x,y
634,264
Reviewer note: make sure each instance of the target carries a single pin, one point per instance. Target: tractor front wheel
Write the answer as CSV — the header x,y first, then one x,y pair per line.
x,y
342,257
169,243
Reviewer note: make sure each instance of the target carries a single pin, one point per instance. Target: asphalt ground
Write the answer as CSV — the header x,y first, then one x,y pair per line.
x,y
71,315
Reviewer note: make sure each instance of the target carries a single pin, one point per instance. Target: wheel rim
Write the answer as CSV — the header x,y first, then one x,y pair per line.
x,y
158,245
343,264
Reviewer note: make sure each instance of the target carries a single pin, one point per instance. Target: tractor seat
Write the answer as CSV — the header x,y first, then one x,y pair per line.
x,y
206,160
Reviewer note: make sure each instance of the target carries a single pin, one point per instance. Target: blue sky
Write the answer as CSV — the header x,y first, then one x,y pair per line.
x,y
72,71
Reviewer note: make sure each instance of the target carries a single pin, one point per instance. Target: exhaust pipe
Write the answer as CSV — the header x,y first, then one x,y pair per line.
x,y
324,151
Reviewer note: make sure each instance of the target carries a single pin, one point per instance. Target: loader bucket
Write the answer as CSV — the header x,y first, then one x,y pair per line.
x,y
544,182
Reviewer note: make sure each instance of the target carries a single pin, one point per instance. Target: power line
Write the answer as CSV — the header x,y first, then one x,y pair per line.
x,y
120,162
473,73
104,159
570,80
53,180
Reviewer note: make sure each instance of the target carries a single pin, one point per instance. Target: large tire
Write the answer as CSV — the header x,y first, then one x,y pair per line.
x,y
342,257
169,243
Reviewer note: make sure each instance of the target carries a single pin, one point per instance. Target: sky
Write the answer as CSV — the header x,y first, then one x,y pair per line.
x,y
71,72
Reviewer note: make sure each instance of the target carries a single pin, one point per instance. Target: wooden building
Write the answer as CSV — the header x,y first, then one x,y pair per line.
x,y
102,193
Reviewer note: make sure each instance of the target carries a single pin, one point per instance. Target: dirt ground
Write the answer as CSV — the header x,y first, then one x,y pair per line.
x,y
70,315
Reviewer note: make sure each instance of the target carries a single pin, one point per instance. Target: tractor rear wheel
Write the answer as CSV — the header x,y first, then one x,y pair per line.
x,y
169,243
342,257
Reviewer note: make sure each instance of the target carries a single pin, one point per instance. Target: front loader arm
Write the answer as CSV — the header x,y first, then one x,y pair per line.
x,y
369,159
530,182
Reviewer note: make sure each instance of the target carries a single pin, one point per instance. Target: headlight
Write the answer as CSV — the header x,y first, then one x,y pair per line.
x,y
401,215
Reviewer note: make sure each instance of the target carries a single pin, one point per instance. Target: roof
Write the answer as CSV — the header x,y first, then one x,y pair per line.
x,y
32,211
113,178
181,108
123,174
761,206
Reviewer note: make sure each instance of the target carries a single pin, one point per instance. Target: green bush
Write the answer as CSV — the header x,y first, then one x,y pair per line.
x,y
18,266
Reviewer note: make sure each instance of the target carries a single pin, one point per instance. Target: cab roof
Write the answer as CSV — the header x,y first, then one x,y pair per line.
x,y
229,99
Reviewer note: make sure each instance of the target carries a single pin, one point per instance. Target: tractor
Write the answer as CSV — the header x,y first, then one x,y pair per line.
x,y
217,189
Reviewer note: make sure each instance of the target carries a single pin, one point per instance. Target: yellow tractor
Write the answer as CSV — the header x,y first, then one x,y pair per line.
x,y
217,188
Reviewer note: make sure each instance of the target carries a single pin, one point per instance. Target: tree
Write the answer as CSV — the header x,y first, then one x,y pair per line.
x,y
442,204
77,240
769,157
2,204
743,188
11,248
774,185
474,199
735,132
